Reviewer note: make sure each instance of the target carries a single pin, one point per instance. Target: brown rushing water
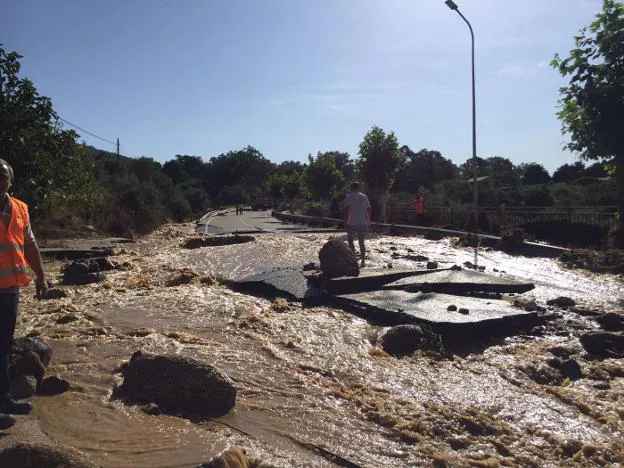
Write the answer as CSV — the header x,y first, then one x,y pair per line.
x,y
314,375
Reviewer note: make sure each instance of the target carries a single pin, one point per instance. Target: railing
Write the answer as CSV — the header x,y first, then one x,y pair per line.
x,y
508,216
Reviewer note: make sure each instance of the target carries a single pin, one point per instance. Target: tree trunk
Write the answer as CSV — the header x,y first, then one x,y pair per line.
x,y
383,198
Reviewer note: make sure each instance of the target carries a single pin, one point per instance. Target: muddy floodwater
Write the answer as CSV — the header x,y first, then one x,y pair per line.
x,y
312,381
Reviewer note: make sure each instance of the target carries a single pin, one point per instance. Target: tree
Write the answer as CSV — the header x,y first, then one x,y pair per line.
x,y
424,168
591,107
568,172
51,166
534,174
322,176
378,163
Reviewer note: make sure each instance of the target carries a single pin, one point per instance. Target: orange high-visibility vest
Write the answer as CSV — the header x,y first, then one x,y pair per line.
x,y
420,206
12,258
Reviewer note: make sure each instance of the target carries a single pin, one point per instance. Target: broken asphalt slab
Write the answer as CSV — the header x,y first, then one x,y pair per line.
x,y
367,280
469,314
459,282
287,282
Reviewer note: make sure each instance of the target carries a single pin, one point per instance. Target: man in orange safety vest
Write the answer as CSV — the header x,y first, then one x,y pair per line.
x,y
18,249
419,204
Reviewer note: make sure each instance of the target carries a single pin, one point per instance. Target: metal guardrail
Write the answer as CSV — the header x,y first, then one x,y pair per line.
x,y
523,248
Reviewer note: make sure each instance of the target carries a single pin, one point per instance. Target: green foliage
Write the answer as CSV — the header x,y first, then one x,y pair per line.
x,y
591,107
568,172
423,169
533,174
379,160
322,176
50,167
232,195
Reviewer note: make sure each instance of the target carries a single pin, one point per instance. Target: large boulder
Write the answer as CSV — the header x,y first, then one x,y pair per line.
x,y
405,339
28,455
23,344
178,384
337,259
23,386
604,344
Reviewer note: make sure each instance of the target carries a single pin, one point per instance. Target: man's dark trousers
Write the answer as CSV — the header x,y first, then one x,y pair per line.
x,y
8,317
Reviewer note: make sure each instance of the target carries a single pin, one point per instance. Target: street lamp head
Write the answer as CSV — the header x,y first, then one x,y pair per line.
x,y
451,4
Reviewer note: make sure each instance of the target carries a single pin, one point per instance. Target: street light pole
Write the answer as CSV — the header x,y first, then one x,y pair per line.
x,y
453,6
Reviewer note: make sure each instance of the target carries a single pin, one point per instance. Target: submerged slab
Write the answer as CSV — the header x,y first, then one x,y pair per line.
x,y
367,280
395,307
458,282
288,282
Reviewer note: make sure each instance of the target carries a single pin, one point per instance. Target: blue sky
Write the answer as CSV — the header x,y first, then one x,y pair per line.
x,y
292,77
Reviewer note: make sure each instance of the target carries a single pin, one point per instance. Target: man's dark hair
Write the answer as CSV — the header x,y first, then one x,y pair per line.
x,y
4,163
355,186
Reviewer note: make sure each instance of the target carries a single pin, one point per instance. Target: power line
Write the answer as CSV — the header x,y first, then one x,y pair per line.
x,y
86,131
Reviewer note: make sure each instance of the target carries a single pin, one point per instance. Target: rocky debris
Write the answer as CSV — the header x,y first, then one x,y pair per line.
x,y
23,386
597,261
81,272
152,409
571,369
178,385
189,276
432,265
405,339
28,455
215,241
56,293
561,301
28,364
68,318
603,344
337,259
53,386
142,332
585,312
611,321
562,351
6,421
233,457
24,344
310,266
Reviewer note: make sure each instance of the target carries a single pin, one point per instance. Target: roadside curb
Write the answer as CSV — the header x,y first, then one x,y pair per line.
x,y
530,249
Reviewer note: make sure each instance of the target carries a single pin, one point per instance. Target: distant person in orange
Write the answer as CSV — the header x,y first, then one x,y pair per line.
x,y
18,249
421,210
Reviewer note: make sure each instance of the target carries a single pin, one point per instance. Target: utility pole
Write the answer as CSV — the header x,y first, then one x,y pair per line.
x,y
118,153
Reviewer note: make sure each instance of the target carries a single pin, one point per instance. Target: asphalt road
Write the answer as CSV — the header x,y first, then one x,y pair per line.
x,y
248,221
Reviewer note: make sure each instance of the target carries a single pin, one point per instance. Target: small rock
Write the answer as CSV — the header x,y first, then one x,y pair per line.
x,y
561,301
141,332
571,369
233,457
561,351
6,421
584,311
53,386
463,310
611,321
23,386
495,270
604,344
395,255
56,293
452,308
456,268
481,267
152,409
27,364
432,265
24,344
602,385
309,266
389,266
537,331
35,454
405,339
66,319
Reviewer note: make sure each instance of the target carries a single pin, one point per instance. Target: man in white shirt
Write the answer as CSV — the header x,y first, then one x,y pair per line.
x,y
357,217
